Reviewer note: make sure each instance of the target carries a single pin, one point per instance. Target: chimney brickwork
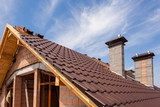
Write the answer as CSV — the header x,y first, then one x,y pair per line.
x,y
144,68
116,54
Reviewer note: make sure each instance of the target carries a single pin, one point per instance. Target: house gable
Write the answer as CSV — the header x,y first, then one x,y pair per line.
x,y
23,58
20,42
91,81
8,49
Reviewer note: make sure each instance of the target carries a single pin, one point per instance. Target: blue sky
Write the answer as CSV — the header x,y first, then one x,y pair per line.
x,y
85,25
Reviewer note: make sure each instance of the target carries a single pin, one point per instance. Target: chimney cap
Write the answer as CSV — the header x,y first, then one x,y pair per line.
x,y
119,40
143,56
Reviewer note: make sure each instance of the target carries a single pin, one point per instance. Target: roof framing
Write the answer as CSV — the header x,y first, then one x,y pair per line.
x,y
55,71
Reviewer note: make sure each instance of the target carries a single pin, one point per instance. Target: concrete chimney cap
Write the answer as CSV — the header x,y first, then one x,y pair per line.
x,y
116,41
143,56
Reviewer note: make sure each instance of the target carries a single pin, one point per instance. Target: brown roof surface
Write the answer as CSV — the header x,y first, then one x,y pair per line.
x,y
156,88
104,87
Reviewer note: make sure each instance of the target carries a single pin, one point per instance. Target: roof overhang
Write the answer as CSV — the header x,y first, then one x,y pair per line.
x,y
18,41
8,47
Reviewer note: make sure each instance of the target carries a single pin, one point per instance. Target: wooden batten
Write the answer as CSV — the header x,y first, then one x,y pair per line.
x,y
4,39
61,77
59,82
19,43
9,35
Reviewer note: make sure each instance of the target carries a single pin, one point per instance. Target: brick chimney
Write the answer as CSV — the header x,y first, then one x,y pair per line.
x,y
144,68
116,54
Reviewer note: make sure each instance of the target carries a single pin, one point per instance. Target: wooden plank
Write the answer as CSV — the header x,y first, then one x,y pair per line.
x,y
9,35
6,56
58,82
4,39
19,43
1,73
26,93
70,85
49,97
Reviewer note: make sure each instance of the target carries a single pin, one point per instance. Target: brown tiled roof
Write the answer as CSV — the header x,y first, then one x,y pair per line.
x,y
104,87
156,88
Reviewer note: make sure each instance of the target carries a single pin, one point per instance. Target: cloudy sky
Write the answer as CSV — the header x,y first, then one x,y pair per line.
x,y
85,25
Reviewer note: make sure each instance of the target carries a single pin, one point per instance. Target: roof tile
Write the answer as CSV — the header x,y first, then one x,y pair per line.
x,y
104,87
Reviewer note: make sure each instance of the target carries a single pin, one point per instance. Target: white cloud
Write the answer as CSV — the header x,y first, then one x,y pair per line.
x,y
44,12
146,30
6,10
90,27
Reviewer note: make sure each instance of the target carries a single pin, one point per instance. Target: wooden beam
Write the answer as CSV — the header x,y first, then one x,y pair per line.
x,y
26,93
19,43
58,82
4,39
36,93
69,84
9,34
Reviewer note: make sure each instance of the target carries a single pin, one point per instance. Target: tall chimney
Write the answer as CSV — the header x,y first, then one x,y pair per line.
x,y
144,68
116,54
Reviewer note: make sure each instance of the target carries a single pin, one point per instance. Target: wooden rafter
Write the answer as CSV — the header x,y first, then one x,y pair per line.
x,y
58,82
61,77
4,39
19,43
26,93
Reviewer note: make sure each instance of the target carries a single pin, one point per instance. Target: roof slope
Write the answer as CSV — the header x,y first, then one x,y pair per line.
x,y
101,85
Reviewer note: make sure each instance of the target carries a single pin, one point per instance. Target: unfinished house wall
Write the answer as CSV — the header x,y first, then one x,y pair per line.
x,y
17,91
144,71
68,99
144,68
116,54
23,58
116,58
3,96
30,93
